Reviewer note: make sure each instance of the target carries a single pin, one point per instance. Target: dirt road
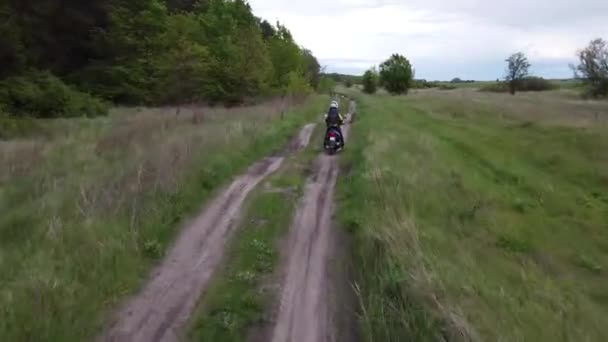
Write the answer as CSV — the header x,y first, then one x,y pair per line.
x,y
306,312
160,311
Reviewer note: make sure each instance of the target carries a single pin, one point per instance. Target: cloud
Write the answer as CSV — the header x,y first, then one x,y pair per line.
x,y
443,39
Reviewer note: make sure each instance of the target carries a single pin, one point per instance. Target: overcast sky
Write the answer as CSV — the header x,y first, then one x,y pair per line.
x,y
443,39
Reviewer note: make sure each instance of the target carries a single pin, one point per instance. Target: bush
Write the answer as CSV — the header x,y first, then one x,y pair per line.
x,y
370,81
535,84
396,74
498,87
596,90
326,85
527,84
446,87
42,95
424,84
297,86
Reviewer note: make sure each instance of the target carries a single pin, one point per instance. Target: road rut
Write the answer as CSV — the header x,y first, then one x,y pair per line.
x,y
306,310
162,309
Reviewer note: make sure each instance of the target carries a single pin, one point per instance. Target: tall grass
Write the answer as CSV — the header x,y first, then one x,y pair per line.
x,y
88,209
479,219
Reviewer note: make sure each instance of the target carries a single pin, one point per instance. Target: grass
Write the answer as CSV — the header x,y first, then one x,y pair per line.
x,y
562,84
479,216
90,206
241,294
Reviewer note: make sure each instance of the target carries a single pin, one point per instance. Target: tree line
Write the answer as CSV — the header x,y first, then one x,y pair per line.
x,y
396,74
62,58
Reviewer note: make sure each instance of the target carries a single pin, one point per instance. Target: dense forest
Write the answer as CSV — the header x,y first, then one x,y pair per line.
x,y
70,57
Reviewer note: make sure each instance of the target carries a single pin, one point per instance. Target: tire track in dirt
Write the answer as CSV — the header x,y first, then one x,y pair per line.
x,y
306,312
162,309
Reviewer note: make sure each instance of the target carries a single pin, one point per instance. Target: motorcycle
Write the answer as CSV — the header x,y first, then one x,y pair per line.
x,y
333,141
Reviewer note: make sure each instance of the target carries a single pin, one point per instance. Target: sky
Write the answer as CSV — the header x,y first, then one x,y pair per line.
x,y
443,39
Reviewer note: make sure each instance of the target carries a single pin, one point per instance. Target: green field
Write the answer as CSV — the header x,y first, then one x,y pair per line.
x,y
89,205
479,216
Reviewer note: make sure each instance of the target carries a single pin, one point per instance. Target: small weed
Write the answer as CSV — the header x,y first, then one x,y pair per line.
x,y
152,248
248,277
587,262
513,244
521,205
226,320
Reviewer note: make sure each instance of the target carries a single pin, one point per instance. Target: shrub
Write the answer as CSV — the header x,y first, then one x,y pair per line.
x,y
326,85
370,81
396,74
424,84
42,95
297,86
527,84
535,84
446,87
498,87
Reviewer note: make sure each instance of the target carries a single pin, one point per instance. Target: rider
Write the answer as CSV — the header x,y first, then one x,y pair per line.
x,y
333,118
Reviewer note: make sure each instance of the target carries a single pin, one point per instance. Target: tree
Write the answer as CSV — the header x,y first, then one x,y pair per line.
x,y
182,68
311,67
396,74
181,5
517,70
285,55
593,67
370,81
150,51
456,80
268,31
57,35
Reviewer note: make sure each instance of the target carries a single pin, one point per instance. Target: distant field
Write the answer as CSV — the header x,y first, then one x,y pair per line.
x,y
563,84
476,84
89,205
480,216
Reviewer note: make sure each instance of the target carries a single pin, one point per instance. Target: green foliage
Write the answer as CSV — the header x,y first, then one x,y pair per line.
x,y
341,78
285,57
154,51
326,85
497,87
593,68
239,62
424,84
444,86
297,85
533,83
183,67
42,95
396,74
530,83
370,81
312,68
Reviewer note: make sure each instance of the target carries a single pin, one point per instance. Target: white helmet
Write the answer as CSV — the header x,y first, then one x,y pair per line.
x,y
334,104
